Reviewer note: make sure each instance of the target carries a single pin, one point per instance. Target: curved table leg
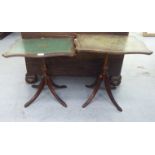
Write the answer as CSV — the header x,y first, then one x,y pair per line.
x,y
46,80
96,88
94,83
52,90
108,90
103,77
40,88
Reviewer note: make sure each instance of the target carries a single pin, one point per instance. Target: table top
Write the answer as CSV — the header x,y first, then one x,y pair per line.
x,y
112,44
37,48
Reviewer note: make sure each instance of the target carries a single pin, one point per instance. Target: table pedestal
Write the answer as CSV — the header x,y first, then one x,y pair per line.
x,y
46,80
103,76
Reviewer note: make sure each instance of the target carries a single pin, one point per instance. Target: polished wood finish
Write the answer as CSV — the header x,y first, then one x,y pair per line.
x,y
46,80
103,76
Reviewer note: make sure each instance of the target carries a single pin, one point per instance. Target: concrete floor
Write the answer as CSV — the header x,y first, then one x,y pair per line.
x,y
136,94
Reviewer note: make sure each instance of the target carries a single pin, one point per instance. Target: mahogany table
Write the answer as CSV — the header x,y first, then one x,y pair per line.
x,y
100,44
43,49
108,45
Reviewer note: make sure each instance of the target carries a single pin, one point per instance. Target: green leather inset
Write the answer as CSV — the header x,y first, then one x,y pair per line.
x,y
42,47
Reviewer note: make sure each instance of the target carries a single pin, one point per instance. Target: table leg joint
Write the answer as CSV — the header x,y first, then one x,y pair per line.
x,y
46,80
102,77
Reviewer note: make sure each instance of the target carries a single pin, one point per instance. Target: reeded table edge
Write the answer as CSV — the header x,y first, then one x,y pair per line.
x,y
112,52
39,56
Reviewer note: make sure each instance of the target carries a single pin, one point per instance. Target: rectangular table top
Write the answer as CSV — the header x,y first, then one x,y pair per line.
x,y
112,44
42,47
